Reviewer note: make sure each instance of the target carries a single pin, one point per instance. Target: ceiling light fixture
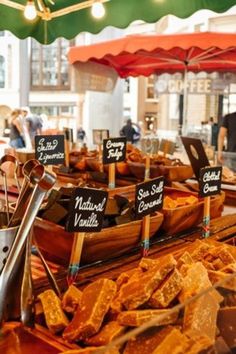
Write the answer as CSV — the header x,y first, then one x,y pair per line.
x,y
30,12
98,9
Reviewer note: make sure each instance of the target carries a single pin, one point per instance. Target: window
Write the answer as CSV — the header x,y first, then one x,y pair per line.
x,y
2,71
150,90
49,65
2,33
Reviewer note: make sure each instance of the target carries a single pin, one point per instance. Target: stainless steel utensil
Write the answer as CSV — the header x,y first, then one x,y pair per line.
x,y
45,181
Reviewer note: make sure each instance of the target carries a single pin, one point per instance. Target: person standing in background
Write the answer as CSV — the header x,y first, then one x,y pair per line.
x,y
81,135
16,140
25,130
128,131
228,131
214,132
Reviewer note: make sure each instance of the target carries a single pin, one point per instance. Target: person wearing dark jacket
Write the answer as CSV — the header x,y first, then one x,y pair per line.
x,y
128,131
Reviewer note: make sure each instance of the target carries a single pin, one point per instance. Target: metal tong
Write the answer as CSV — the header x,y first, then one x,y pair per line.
x,y
45,182
9,158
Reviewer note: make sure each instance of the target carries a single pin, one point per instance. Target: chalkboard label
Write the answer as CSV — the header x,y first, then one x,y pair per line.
x,y
50,149
114,150
86,210
210,181
149,197
99,135
196,154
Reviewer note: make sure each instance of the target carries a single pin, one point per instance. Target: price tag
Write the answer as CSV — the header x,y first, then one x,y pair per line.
x,y
210,181
149,197
167,146
114,150
99,135
196,154
50,149
86,210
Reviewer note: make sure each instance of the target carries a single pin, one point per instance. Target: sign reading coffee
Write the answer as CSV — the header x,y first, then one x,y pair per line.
x,y
210,181
149,197
86,210
50,149
114,150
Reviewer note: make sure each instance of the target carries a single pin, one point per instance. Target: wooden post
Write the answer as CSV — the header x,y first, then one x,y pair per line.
x,y
75,257
206,218
112,176
146,220
67,153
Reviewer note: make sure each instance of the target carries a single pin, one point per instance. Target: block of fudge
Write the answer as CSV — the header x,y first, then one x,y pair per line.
x,y
55,213
167,291
147,263
229,268
209,265
226,323
136,318
223,253
200,316
108,333
147,341
55,318
139,289
201,249
175,343
95,303
71,299
125,276
111,207
216,276
217,264
196,279
200,345
92,350
184,259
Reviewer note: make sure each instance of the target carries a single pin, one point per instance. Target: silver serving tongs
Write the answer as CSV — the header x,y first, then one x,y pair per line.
x,y
25,192
45,182
8,158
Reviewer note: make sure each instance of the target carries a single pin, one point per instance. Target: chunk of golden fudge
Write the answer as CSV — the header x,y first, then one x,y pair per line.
x,y
55,318
138,317
168,290
199,345
201,249
175,343
95,303
125,276
184,259
223,253
147,263
139,289
200,316
71,299
196,279
146,342
92,350
216,276
107,334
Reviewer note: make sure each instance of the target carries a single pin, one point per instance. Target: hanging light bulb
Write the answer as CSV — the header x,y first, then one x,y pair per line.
x,y
98,10
30,12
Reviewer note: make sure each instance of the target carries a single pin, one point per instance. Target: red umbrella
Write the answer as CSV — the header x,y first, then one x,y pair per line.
x,y
155,54
147,54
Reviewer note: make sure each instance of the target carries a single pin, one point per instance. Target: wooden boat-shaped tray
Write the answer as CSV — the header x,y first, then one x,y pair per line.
x,y
171,173
55,243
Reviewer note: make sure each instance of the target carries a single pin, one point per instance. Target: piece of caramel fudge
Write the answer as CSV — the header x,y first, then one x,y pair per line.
x,y
139,289
108,333
138,317
92,350
94,305
71,299
55,318
168,290
175,343
200,316
218,276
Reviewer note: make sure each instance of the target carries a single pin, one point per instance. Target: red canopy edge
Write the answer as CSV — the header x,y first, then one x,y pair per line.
x,y
135,43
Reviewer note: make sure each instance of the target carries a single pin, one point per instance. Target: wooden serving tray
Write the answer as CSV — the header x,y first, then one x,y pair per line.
x,y
55,243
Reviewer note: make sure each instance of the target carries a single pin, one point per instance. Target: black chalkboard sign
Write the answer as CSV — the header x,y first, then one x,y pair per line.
x,y
149,196
196,154
114,150
50,149
86,210
210,181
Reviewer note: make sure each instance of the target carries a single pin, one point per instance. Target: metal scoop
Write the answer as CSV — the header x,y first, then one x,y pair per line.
x,y
45,181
